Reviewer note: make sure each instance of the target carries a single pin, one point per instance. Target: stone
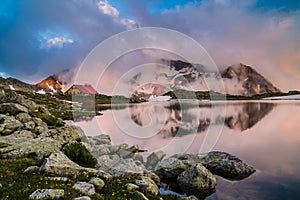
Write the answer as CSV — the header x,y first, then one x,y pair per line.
x,y
117,166
8,124
131,187
36,147
85,188
59,164
65,134
97,182
197,180
170,168
23,117
47,194
83,198
12,108
140,196
147,185
97,150
39,122
99,139
29,125
104,175
192,197
31,169
227,165
116,148
154,158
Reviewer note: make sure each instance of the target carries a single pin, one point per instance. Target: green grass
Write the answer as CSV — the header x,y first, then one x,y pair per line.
x,y
18,186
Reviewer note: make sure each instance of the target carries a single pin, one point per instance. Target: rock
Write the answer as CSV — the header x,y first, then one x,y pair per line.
x,y
131,187
31,169
226,165
147,185
44,110
1,185
117,166
192,197
12,108
65,134
59,164
154,158
39,122
140,196
8,124
116,148
2,93
47,194
83,198
170,168
104,175
85,188
36,147
63,179
29,125
97,182
13,97
99,139
23,117
97,150
197,180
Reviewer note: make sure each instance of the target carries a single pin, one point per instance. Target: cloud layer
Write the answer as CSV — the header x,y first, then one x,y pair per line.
x,y
38,38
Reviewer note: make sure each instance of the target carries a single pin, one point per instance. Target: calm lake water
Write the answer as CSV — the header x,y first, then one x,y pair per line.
x,y
264,134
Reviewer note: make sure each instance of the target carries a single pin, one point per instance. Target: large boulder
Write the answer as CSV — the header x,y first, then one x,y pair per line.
x,y
12,108
32,147
170,168
154,158
47,194
8,124
197,180
13,97
59,164
227,165
117,166
65,134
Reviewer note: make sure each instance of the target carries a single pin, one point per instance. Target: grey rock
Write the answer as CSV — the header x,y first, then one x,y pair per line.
x,y
117,166
154,158
23,117
131,187
39,122
227,165
12,108
140,196
192,197
8,124
29,125
37,147
65,134
197,180
59,164
116,148
97,150
99,139
83,198
85,188
47,194
97,182
104,175
147,185
170,168
31,169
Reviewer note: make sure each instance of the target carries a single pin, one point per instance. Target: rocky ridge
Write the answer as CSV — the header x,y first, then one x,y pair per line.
x,y
25,135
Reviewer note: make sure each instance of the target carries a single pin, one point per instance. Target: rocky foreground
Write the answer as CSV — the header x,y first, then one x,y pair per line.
x,y
29,130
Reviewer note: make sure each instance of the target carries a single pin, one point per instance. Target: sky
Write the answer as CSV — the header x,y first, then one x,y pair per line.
x,y
40,38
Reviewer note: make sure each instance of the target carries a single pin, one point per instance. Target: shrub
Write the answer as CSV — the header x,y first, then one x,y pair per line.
x,y
78,153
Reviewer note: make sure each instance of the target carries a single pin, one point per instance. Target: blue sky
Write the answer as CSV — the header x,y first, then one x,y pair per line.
x,y
39,38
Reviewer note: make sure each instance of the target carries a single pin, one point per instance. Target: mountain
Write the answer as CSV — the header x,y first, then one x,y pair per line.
x,y
51,84
244,80
238,79
15,84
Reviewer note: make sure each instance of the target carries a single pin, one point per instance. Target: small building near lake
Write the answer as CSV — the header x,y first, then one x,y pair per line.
x,y
82,89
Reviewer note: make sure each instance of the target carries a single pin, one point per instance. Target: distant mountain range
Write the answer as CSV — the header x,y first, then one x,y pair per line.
x,y
238,79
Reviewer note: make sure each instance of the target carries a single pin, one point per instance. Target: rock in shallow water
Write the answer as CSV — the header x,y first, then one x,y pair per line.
x,y
47,194
197,180
226,165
